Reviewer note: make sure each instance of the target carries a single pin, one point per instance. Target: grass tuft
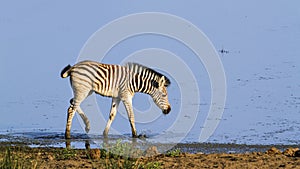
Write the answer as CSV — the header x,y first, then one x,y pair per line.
x,y
12,160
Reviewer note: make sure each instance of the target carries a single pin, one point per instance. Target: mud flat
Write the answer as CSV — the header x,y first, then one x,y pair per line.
x,y
21,153
27,157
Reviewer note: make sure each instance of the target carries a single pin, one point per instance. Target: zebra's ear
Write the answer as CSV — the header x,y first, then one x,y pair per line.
x,y
162,81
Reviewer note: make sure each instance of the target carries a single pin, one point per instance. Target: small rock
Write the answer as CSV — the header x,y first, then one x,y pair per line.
x,y
94,153
290,152
151,151
297,153
258,153
273,151
50,157
282,165
136,153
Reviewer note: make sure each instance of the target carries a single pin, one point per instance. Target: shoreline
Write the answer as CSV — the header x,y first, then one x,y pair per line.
x,y
53,157
49,151
81,141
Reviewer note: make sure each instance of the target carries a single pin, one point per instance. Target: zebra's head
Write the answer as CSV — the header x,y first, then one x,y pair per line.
x,y
160,95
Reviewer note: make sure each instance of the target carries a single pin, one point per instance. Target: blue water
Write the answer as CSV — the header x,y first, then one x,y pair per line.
x,y
261,63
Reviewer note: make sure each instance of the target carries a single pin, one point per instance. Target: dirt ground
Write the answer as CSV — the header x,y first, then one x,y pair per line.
x,y
15,156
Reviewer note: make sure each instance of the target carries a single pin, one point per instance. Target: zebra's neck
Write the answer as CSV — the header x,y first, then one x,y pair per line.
x,y
143,83
142,79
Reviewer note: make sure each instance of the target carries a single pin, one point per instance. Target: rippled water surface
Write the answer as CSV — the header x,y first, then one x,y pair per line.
x,y
257,44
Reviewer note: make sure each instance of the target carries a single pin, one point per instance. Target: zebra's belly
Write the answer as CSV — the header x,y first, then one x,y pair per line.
x,y
108,93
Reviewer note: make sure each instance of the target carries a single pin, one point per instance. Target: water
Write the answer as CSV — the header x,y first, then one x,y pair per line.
x,y
261,66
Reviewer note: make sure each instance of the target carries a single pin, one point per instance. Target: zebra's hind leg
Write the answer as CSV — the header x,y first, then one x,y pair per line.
x,y
84,118
78,98
113,111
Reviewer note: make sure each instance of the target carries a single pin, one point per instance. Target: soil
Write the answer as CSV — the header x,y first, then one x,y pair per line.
x,y
49,157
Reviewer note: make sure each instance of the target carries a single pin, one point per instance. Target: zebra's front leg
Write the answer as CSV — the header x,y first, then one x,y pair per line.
x,y
113,111
128,106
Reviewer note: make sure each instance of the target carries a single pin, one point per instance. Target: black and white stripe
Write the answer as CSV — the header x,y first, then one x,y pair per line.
x,y
118,82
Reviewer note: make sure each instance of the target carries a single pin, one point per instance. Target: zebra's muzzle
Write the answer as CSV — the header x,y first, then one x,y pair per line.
x,y
167,111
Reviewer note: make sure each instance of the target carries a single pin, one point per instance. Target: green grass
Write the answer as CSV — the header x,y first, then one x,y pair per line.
x,y
12,161
173,153
119,155
124,150
125,155
116,155
66,154
151,165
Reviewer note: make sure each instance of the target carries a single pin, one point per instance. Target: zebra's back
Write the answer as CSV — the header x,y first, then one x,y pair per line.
x,y
103,79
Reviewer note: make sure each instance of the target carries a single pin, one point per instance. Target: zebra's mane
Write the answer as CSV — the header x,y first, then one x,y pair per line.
x,y
140,68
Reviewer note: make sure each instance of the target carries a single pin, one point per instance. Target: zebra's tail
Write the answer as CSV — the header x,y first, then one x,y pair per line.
x,y
66,71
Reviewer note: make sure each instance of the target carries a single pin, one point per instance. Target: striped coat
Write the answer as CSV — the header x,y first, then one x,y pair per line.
x,y
118,82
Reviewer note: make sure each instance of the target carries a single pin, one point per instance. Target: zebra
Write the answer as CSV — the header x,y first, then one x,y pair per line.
x,y
115,81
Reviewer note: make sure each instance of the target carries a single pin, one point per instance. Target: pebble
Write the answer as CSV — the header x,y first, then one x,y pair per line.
x,y
273,151
290,152
94,153
50,157
151,151
297,153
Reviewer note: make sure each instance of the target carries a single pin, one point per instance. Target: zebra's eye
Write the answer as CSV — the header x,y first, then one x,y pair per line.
x,y
164,95
155,83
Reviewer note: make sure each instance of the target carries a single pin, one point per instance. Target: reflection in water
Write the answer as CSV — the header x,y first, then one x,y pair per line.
x,y
81,141
126,147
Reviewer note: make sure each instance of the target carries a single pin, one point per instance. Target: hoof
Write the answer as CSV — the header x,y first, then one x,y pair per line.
x,y
105,134
67,136
87,129
142,136
68,144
